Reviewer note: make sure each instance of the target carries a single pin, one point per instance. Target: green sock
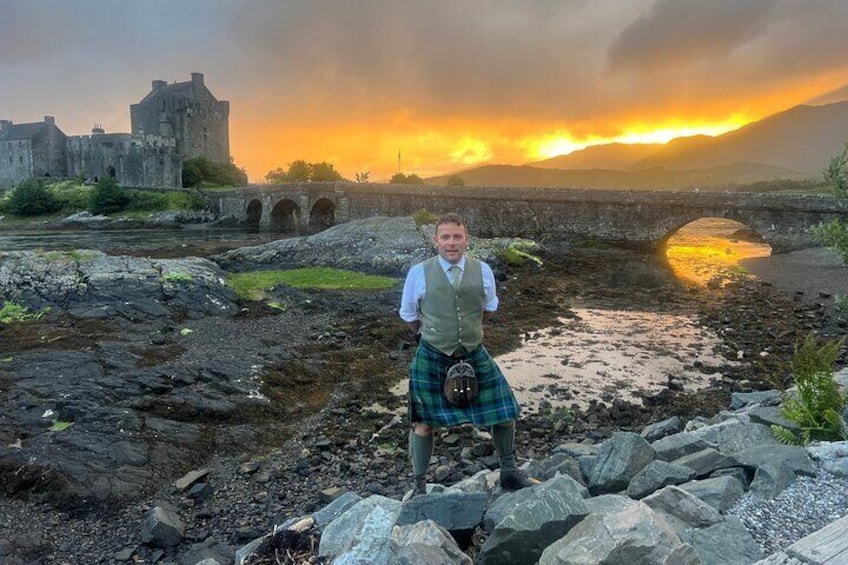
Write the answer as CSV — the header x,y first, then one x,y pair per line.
x,y
503,436
420,451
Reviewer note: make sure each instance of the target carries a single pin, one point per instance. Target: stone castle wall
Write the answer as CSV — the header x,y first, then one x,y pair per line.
x,y
172,124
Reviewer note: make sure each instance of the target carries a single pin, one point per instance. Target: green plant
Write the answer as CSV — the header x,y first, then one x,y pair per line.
x,y
107,197
455,180
424,217
518,253
841,302
834,234
59,426
31,198
14,312
817,405
204,172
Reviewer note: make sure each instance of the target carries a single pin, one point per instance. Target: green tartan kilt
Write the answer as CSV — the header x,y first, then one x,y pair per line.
x,y
495,403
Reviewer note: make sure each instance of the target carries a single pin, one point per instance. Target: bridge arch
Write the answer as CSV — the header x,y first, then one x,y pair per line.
x,y
254,213
285,216
322,215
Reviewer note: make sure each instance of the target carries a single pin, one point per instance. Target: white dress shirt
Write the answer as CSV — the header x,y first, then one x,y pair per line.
x,y
415,288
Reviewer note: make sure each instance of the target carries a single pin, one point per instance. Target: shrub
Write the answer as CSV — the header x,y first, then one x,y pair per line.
x,y
424,217
455,180
817,405
31,198
203,172
107,197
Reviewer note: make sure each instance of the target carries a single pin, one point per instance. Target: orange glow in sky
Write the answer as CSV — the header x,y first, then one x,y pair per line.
x,y
433,149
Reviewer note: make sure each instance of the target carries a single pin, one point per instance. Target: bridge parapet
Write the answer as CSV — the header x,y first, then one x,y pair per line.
x,y
640,219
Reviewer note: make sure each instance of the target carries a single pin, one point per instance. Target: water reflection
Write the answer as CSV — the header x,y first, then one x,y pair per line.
x,y
711,248
601,355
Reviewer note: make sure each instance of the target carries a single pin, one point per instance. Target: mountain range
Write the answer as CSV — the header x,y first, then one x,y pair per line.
x,y
794,145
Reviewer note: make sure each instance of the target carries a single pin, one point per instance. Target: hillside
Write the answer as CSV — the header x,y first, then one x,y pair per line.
x,y
657,178
619,156
803,138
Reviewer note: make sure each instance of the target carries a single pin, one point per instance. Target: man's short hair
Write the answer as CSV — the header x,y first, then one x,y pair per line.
x,y
452,218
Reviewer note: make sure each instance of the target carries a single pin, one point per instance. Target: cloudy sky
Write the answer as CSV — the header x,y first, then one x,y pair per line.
x,y
448,83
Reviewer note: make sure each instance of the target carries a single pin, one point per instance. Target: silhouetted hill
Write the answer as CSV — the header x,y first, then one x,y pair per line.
x,y
654,178
803,138
618,156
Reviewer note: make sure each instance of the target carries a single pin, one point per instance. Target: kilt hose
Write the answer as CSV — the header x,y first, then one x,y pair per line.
x,y
495,403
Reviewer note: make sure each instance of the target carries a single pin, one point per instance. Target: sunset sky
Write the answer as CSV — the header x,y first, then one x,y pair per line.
x,y
449,83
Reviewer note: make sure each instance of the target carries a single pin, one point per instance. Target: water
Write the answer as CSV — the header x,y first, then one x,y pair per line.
x,y
190,240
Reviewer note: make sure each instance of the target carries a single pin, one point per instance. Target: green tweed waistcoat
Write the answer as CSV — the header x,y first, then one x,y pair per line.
x,y
452,317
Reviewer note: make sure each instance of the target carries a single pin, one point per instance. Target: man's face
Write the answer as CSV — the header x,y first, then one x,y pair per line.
x,y
452,241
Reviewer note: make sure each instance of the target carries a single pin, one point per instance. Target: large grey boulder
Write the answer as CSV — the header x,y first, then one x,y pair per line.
x,y
719,492
659,430
656,475
761,397
793,456
162,528
632,535
706,461
425,542
679,445
362,533
620,458
681,510
540,515
92,284
452,510
734,435
389,245
725,543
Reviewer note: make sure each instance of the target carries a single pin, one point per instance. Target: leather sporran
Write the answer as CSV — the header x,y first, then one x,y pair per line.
x,y
460,385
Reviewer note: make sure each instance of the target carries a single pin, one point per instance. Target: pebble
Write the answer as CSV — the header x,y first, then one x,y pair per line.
x,y
807,505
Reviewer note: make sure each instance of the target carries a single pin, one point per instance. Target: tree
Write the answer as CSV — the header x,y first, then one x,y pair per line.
x,y
400,178
107,197
834,234
31,198
324,172
363,176
200,172
455,180
302,171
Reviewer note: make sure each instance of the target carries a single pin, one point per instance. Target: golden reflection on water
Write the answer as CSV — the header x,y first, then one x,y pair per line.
x,y
710,249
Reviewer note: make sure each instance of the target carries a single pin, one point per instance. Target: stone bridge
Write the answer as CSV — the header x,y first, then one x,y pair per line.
x,y
636,219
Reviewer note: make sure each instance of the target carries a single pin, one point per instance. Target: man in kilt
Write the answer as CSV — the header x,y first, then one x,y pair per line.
x,y
445,300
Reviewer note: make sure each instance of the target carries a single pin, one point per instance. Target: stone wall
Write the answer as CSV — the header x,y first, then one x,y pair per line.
x,y
136,160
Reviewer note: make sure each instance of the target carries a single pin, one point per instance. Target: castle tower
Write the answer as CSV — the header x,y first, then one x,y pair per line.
x,y
188,112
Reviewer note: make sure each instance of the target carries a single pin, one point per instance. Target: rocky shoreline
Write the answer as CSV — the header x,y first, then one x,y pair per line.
x,y
182,400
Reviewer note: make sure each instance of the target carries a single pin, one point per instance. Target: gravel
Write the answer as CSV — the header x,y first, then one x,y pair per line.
x,y
807,505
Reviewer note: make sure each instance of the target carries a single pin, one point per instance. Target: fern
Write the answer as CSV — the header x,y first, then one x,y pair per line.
x,y
816,406
785,435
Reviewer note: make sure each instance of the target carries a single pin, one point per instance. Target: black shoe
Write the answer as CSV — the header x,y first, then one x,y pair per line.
x,y
514,479
420,486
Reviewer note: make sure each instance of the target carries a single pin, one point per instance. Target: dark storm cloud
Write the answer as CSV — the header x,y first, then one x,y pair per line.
x,y
680,32
471,57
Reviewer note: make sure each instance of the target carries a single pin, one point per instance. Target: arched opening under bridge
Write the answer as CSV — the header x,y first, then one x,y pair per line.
x,y
285,217
322,215
710,251
254,213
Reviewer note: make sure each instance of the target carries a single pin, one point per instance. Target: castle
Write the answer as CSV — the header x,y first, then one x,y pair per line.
x,y
173,123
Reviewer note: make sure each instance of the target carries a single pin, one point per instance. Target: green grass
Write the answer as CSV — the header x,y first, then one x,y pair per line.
x,y
13,312
251,285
